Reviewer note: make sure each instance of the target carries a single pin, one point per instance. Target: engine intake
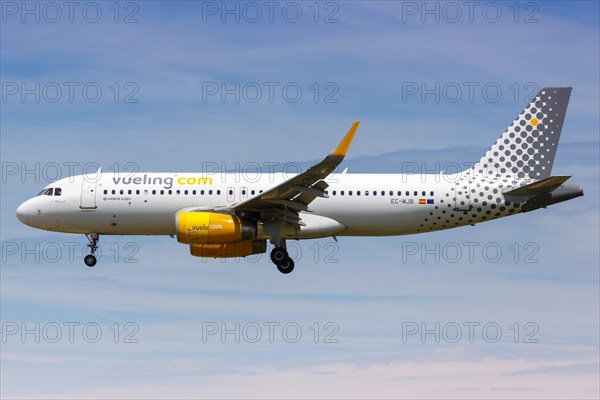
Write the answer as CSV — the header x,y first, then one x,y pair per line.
x,y
213,228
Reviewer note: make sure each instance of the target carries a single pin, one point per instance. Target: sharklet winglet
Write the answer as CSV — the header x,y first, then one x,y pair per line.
x,y
344,145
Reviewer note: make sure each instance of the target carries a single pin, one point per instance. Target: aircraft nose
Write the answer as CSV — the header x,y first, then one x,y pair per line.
x,y
24,212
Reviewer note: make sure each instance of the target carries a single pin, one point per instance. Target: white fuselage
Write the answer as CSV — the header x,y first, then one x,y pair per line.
x,y
232,215
365,204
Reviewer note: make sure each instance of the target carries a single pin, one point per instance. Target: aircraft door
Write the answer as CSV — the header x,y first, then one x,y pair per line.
x,y
462,196
230,194
88,193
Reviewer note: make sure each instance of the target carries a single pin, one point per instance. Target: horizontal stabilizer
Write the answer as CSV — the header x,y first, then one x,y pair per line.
x,y
546,185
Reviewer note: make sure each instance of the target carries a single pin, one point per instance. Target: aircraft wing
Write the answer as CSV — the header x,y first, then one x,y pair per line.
x,y
295,194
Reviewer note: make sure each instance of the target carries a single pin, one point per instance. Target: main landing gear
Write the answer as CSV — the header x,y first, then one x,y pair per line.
x,y
90,259
282,260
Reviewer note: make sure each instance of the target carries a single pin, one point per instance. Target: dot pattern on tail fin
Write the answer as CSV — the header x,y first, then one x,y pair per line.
x,y
523,153
527,147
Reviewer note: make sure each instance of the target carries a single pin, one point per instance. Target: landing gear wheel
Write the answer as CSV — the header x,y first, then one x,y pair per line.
x,y
90,260
281,258
286,267
279,255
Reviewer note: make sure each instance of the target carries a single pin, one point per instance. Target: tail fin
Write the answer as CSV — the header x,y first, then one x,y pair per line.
x,y
527,147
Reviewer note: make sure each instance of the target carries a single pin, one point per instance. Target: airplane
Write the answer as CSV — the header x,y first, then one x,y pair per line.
x,y
225,218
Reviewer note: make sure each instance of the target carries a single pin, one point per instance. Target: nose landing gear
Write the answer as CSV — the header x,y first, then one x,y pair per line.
x,y
90,259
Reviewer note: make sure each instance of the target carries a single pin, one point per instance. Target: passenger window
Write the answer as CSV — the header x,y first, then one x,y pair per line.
x,y
105,191
423,193
137,191
185,192
113,191
145,192
230,192
218,191
399,193
170,191
374,192
416,193
350,193
431,193
253,192
243,192
391,193
210,192
154,192
121,191
358,192
407,193
178,191
194,192
341,192
382,193
366,192
162,192
202,192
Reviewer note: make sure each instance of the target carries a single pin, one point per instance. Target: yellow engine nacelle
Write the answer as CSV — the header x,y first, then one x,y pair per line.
x,y
240,249
212,228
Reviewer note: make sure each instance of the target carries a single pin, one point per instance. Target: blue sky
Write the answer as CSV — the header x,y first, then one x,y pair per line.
x,y
155,112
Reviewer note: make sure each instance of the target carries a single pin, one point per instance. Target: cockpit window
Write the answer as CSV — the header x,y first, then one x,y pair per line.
x,y
50,192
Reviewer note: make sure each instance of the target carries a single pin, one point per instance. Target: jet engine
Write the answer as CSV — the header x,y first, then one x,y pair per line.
x,y
213,228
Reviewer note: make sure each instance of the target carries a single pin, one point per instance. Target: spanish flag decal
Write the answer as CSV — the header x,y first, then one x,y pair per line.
x,y
422,201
